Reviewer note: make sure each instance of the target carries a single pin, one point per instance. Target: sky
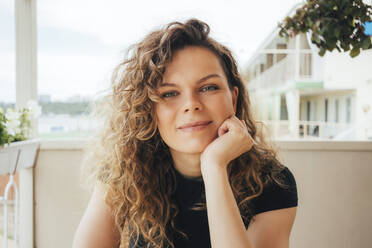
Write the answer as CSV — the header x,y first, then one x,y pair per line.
x,y
80,42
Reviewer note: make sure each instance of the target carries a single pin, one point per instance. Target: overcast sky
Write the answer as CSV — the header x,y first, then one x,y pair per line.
x,y
80,42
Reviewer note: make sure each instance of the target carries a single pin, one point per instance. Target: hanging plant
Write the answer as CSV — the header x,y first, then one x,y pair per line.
x,y
334,24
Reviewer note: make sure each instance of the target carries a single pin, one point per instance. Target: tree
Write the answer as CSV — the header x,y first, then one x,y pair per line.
x,y
334,24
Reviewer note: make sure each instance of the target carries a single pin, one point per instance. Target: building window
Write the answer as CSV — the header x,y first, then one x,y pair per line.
x,y
326,110
283,108
314,115
269,60
281,56
348,110
262,68
308,106
336,111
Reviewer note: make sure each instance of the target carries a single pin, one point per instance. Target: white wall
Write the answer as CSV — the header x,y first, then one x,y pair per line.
x,y
342,71
333,180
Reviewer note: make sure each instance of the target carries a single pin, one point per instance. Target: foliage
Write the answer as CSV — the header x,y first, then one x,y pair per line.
x,y
334,24
15,125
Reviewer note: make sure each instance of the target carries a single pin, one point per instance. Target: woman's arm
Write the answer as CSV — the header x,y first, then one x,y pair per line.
x,y
97,227
272,229
269,229
226,226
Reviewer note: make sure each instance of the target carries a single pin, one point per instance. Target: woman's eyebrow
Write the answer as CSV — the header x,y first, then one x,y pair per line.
x,y
198,82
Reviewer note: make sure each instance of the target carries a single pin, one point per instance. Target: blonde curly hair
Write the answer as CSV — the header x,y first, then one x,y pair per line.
x,y
129,157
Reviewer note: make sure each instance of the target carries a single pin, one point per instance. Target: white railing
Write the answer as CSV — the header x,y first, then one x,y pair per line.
x,y
284,71
10,206
13,158
310,129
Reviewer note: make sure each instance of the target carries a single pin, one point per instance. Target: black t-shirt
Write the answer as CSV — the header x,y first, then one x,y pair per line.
x,y
195,223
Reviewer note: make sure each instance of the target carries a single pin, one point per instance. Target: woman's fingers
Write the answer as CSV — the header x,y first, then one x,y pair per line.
x,y
230,123
224,128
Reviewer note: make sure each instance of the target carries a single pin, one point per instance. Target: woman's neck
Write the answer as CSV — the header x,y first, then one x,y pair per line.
x,y
187,164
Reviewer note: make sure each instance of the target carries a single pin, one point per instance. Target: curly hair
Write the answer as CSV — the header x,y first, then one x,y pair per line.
x,y
129,157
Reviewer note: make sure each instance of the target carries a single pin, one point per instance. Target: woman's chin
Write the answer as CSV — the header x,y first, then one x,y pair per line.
x,y
191,147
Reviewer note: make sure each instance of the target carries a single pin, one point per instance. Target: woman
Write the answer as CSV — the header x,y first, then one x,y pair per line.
x,y
180,162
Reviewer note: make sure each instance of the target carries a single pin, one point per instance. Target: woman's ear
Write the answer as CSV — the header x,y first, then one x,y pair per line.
x,y
235,93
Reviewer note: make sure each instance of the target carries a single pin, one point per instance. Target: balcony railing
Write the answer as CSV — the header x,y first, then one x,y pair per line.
x,y
13,158
285,71
310,130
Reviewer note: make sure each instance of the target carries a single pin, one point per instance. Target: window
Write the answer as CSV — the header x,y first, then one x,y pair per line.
x,y
314,114
262,68
283,108
281,56
308,107
326,110
73,67
348,110
269,60
7,58
336,111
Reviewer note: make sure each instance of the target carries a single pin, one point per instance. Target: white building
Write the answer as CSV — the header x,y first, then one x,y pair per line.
x,y
301,94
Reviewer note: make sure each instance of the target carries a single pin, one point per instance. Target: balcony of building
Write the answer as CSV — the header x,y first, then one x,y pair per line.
x,y
283,65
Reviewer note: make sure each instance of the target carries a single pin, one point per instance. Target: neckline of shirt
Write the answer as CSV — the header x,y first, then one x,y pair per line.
x,y
198,179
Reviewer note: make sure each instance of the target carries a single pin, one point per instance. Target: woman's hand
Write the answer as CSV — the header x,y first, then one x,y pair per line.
x,y
232,141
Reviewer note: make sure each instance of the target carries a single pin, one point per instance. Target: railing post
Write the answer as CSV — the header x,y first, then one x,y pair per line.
x,y
297,57
297,113
26,89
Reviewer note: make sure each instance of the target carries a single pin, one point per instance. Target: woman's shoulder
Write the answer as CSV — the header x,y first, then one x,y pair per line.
x,y
279,192
284,178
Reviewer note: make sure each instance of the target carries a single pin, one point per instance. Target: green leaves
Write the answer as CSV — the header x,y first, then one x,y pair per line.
x,y
354,52
366,43
334,24
3,132
322,51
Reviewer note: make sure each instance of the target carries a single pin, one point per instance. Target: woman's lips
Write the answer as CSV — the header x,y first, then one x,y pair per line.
x,y
195,127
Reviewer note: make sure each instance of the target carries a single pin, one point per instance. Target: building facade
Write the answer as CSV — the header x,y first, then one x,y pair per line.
x,y
300,94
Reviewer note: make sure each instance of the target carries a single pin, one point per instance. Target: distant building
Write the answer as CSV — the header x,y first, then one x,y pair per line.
x,y
44,98
79,98
302,95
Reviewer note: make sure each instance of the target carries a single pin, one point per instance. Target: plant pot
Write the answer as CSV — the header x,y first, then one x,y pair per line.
x,y
18,155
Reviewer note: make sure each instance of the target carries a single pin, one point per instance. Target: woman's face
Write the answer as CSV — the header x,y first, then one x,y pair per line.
x,y
194,92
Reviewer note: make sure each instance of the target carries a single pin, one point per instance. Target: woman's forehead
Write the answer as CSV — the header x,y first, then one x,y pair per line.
x,y
194,63
201,80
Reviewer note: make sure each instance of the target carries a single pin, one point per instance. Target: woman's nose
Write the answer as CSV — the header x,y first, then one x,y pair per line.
x,y
192,103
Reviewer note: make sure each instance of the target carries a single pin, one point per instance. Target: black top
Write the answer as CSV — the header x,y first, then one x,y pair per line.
x,y
195,223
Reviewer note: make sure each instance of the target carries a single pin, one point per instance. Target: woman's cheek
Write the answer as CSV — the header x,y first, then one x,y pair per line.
x,y
165,117
230,107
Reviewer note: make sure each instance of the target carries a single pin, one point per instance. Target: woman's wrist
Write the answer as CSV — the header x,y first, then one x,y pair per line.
x,y
213,170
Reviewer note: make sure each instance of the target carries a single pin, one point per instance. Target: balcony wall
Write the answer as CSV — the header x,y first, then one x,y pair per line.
x,y
333,180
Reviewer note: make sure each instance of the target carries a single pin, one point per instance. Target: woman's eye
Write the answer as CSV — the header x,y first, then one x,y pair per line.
x,y
209,88
169,94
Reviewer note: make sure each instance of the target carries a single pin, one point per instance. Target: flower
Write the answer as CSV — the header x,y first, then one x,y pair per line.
x,y
15,124
12,115
34,109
